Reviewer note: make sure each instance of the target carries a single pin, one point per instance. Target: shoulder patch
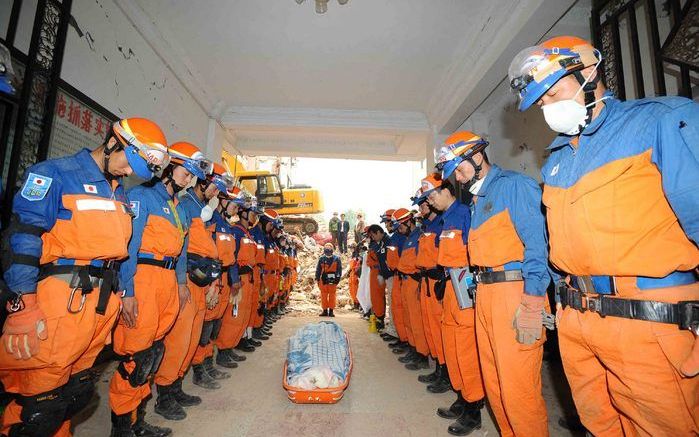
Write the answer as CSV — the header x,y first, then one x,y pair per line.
x,y
36,187
92,189
135,206
166,210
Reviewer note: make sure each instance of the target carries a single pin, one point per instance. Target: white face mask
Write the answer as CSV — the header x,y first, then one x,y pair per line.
x,y
476,186
208,210
568,116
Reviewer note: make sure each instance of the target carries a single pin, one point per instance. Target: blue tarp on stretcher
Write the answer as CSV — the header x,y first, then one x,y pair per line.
x,y
318,345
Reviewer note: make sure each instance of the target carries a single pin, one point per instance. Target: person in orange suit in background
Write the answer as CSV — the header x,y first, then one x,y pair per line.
x,y
354,272
621,198
71,224
509,252
328,273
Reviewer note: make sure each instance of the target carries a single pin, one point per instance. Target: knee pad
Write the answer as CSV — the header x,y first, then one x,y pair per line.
x,y
41,415
216,328
158,354
206,331
78,392
143,364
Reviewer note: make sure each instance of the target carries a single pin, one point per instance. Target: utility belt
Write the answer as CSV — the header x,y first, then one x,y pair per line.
x,y
417,277
244,270
168,262
98,274
684,314
436,274
330,278
607,284
202,270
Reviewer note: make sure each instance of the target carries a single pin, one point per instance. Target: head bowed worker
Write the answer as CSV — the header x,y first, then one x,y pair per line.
x,y
459,147
144,144
535,70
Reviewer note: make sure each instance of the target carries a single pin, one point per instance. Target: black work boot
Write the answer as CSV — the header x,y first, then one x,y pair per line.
x,y
455,410
442,384
213,371
396,343
258,335
431,377
224,359
167,406
256,343
410,356
121,425
323,313
266,331
469,420
229,355
331,313
420,362
380,325
245,346
203,379
182,398
144,429
402,348
389,337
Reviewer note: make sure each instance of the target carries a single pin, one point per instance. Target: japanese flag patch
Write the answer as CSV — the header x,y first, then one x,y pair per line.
x,y
36,187
92,189
135,206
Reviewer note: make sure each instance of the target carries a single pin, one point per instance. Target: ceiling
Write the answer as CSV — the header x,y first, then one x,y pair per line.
x,y
404,68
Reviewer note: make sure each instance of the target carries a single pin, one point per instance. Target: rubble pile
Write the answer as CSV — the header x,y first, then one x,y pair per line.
x,y
305,297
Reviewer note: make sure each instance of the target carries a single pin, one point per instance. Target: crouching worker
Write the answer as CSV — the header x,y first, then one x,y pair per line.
x,y
71,224
328,272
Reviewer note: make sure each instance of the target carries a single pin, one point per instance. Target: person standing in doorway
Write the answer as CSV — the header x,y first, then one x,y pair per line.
x,y
359,228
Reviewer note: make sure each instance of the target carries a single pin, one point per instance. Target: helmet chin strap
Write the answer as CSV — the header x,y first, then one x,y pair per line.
x,y
589,87
169,180
107,154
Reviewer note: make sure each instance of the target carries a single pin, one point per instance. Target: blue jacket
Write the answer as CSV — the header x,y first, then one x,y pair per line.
x,y
506,213
152,207
40,203
328,260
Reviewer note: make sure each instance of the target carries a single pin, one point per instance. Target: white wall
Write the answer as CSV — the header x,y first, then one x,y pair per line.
x,y
113,65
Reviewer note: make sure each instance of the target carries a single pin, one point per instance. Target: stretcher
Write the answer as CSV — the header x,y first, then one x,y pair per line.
x,y
330,395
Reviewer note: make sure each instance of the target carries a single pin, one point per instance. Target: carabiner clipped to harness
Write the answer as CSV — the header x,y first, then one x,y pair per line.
x,y
70,301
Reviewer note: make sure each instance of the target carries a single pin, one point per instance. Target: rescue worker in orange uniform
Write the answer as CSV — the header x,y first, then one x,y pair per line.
x,y
70,227
203,268
397,328
205,372
411,284
458,317
258,319
154,279
432,274
269,227
509,254
236,317
376,261
354,273
621,203
328,273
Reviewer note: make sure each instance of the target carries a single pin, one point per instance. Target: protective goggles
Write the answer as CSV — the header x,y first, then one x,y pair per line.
x,y
224,183
156,157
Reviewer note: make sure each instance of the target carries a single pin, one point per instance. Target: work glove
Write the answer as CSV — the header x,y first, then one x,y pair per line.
x,y
235,291
690,366
381,280
529,319
24,327
211,297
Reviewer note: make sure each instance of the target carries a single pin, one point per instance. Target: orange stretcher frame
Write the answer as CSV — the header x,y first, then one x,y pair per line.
x,y
330,395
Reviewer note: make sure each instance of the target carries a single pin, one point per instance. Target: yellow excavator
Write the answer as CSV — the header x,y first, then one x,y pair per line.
x,y
295,203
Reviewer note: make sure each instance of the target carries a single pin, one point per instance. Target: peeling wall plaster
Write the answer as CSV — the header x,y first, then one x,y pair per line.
x,y
107,59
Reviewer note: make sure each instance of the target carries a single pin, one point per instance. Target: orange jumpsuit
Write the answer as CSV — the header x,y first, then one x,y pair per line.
x,y
621,204
508,233
432,310
458,325
149,275
259,276
237,315
84,220
182,340
354,279
398,311
328,265
376,290
226,248
411,280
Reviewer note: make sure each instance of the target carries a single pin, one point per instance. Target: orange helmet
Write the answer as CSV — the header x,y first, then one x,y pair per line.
x,y
190,157
536,69
144,144
458,147
221,178
401,215
386,216
430,183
